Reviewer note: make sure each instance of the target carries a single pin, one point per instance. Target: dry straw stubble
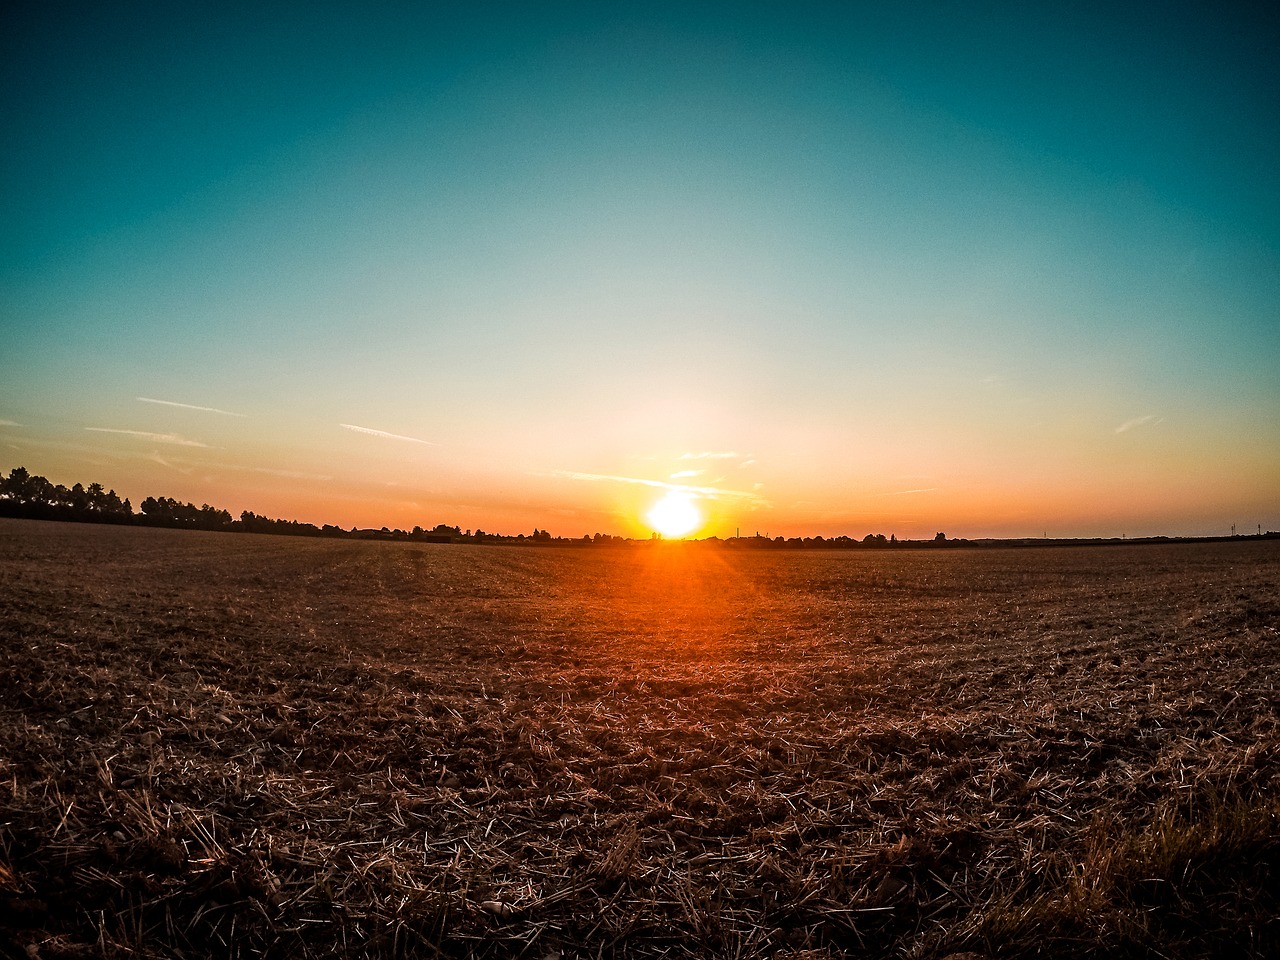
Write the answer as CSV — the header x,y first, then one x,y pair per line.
x,y
251,746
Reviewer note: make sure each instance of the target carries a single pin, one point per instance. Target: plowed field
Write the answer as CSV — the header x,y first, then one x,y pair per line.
x,y
222,745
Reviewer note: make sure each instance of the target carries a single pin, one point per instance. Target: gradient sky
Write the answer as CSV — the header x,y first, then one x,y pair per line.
x,y
899,268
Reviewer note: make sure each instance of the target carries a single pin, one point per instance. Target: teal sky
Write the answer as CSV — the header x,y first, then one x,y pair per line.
x,y
994,270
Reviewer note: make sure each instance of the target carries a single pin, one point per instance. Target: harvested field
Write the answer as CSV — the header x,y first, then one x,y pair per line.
x,y
218,745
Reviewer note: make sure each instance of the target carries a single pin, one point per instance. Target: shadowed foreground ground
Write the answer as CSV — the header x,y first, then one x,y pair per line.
x,y
215,745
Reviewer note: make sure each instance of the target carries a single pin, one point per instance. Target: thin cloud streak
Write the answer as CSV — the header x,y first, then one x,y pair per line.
x,y
185,470
903,493
189,406
1138,422
186,466
384,434
287,474
172,438
9,423
270,471
711,493
711,455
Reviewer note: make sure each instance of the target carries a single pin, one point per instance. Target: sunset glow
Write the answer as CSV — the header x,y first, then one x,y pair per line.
x,y
675,515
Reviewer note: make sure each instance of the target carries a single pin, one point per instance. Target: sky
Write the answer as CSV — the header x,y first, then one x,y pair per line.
x,y
835,269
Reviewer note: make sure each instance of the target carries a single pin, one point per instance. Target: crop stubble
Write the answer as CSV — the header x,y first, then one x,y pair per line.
x,y
245,745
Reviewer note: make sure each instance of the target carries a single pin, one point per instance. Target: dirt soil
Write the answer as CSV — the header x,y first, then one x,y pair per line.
x,y
238,745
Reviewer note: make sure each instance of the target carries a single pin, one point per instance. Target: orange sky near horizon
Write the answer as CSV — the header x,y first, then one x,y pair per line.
x,y
380,481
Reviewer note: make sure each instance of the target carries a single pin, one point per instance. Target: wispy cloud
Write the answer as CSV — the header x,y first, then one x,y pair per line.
x,y
288,474
172,438
188,406
711,493
903,493
185,468
272,472
1138,422
679,474
9,423
711,455
384,434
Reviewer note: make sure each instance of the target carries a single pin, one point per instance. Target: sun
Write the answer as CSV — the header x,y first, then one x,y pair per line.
x,y
674,515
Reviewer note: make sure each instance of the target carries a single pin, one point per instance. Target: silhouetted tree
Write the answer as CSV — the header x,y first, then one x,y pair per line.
x,y
23,494
17,486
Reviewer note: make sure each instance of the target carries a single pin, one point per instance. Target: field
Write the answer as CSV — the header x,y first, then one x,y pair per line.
x,y
221,745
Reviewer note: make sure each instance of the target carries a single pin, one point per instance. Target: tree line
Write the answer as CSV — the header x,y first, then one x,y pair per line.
x,y
26,495
23,494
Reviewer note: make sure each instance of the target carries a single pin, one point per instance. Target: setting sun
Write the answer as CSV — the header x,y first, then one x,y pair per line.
x,y
675,515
